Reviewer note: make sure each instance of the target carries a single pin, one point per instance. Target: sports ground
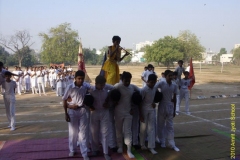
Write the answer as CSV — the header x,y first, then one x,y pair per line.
x,y
41,131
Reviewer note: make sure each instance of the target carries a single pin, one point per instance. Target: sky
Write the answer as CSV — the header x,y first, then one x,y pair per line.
x,y
215,22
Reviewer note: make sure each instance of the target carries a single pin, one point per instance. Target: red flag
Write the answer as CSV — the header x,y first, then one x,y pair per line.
x,y
191,75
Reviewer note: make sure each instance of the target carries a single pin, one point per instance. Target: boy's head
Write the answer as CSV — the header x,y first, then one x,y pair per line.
x,y
8,75
186,74
126,78
152,79
145,68
79,77
175,74
150,67
168,75
100,82
163,74
116,40
180,63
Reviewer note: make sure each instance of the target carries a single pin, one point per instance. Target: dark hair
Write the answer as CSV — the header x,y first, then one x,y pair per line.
x,y
136,98
115,95
7,73
79,73
185,72
152,77
1,64
180,61
167,72
100,80
126,75
163,73
145,67
150,66
175,73
116,38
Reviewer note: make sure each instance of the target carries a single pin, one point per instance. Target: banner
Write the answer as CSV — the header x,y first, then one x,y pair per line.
x,y
191,75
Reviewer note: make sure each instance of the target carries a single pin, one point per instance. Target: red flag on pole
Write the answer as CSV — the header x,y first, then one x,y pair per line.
x,y
191,75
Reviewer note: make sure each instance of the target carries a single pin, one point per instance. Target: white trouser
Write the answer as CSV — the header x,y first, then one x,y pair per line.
x,y
148,128
39,88
54,83
19,87
77,127
27,86
10,109
46,83
63,90
135,125
184,93
99,128
59,91
111,131
34,90
123,121
165,123
51,83
178,102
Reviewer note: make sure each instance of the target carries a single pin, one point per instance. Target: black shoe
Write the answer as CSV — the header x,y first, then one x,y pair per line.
x,y
114,149
137,147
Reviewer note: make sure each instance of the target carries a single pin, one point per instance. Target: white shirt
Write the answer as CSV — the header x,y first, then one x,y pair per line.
x,y
100,96
76,93
145,75
124,104
176,81
9,88
167,90
40,79
148,95
179,70
185,83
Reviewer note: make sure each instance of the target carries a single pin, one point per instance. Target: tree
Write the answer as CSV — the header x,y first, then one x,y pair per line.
x,y
166,50
3,55
236,56
90,56
19,43
191,46
60,45
30,59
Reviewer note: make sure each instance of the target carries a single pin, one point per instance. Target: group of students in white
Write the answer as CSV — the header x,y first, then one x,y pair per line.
x,y
37,79
110,115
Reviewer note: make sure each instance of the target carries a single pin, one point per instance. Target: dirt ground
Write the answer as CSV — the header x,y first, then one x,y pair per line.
x,y
205,134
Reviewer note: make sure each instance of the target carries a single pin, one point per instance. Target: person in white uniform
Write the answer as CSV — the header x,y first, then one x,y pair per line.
x,y
123,118
146,74
180,69
59,86
175,80
16,78
148,114
100,116
166,111
40,81
184,92
34,80
9,99
76,115
26,76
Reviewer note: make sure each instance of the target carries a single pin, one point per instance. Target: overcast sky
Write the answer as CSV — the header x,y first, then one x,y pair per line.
x,y
215,22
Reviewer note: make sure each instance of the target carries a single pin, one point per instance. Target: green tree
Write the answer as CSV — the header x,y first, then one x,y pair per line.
x,y
3,55
221,52
191,46
166,51
30,59
18,43
236,56
90,56
60,45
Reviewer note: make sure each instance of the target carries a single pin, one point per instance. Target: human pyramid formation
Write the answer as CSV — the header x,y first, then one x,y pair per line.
x,y
114,111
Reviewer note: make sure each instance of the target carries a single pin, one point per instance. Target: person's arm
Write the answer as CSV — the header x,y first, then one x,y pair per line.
x,y
126,54
112,53
174,103
140,106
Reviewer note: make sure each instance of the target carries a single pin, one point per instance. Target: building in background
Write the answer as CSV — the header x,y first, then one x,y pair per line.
x,y
143,44
207,57
236,46
226,58
138,57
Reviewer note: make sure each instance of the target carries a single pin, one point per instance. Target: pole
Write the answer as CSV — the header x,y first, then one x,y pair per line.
x,y
222,67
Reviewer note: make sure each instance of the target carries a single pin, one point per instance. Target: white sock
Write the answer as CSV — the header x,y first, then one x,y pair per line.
x,y
130,155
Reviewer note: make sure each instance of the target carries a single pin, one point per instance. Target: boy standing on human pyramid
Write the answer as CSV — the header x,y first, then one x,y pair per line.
x,y
114,56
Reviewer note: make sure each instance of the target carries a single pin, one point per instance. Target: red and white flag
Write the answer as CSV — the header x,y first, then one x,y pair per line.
x,y
191,75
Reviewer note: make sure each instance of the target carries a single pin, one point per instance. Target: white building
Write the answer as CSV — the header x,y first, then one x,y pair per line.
x,y
207,56
236,46
138,57
143,44
226,58
98,52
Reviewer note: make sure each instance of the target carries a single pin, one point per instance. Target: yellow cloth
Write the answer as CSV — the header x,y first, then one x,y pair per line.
x,y
111,67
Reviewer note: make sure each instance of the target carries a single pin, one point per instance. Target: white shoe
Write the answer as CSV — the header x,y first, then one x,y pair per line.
x,y
71,154
12,129
163,145
152,151
86,158
177,113
130,155
157,140
188,113
143,147
9,126
120,150
176,149
107,157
